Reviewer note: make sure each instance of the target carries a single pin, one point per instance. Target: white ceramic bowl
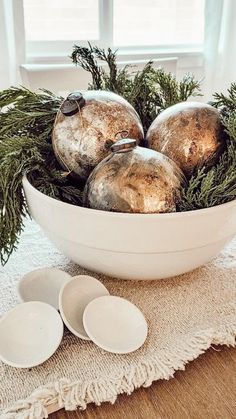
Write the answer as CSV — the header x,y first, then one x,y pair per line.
x,y
133,246
115,324
30,333
43,284
74,296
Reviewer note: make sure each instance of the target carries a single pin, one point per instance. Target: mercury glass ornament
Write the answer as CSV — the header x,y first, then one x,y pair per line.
x,y
86,126
190,133
134,179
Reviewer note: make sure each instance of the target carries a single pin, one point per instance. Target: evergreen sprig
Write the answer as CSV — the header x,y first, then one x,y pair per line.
x,y
207,188
25,148
213,187
227,102
27,113
149,90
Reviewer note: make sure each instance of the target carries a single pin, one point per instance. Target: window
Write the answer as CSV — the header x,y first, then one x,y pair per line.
x,y
53,26
158,22
61,20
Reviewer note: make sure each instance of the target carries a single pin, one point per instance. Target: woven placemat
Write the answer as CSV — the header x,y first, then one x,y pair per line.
x,y
185,316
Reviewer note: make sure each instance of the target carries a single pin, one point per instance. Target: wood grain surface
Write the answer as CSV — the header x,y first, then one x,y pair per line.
x,y
205,390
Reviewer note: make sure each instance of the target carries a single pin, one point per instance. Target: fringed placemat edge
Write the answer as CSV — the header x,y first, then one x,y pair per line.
x,y
72,395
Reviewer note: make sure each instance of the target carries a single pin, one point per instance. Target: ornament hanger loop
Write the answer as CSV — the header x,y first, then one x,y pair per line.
x,y
122,134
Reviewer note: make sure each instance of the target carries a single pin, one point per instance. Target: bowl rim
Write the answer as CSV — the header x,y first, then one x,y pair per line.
x,y
96,212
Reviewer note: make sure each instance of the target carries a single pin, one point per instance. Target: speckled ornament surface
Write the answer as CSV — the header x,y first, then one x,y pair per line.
x,y
84,133
190,133
134,179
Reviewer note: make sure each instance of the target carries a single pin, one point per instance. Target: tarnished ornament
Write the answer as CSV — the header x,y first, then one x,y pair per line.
x,y
190,133
134,179
86,126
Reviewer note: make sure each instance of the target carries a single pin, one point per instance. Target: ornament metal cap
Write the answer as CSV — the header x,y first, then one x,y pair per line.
x,y
72,104
124,145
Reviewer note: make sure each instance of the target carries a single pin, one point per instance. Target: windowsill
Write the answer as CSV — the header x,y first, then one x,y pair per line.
x,y
185,60
46,71
124,54
126,59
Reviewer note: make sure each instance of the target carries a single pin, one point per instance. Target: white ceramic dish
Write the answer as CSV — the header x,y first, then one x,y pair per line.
x,y
42,285
30,333
133,246
74,297
115,324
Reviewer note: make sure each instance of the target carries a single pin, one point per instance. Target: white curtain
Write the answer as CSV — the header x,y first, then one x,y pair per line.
x,y
12,42
220,46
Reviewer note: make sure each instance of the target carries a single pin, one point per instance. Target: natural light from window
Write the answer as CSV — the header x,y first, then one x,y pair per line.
x,y
135,22
158,22
61,20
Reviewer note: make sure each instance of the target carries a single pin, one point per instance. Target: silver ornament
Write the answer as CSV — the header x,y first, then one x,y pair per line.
x,y
86,126
134,179
190,133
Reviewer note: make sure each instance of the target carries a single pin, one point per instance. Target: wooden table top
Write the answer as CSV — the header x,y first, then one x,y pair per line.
x,y
205,390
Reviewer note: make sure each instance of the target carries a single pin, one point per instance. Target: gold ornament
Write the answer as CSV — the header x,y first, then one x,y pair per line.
x,y
87,125
190,133
134,179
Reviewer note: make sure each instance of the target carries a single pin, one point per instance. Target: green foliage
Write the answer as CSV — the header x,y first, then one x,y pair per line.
x,y
220,100
213,187
216,186
28,113
25,147
149,90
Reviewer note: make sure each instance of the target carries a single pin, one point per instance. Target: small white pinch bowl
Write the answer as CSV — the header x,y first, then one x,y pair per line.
x,y
74,297
30,334
42,284
133,246
115,324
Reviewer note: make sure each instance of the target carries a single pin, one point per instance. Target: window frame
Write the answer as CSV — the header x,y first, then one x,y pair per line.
x,y
53,52
57,51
